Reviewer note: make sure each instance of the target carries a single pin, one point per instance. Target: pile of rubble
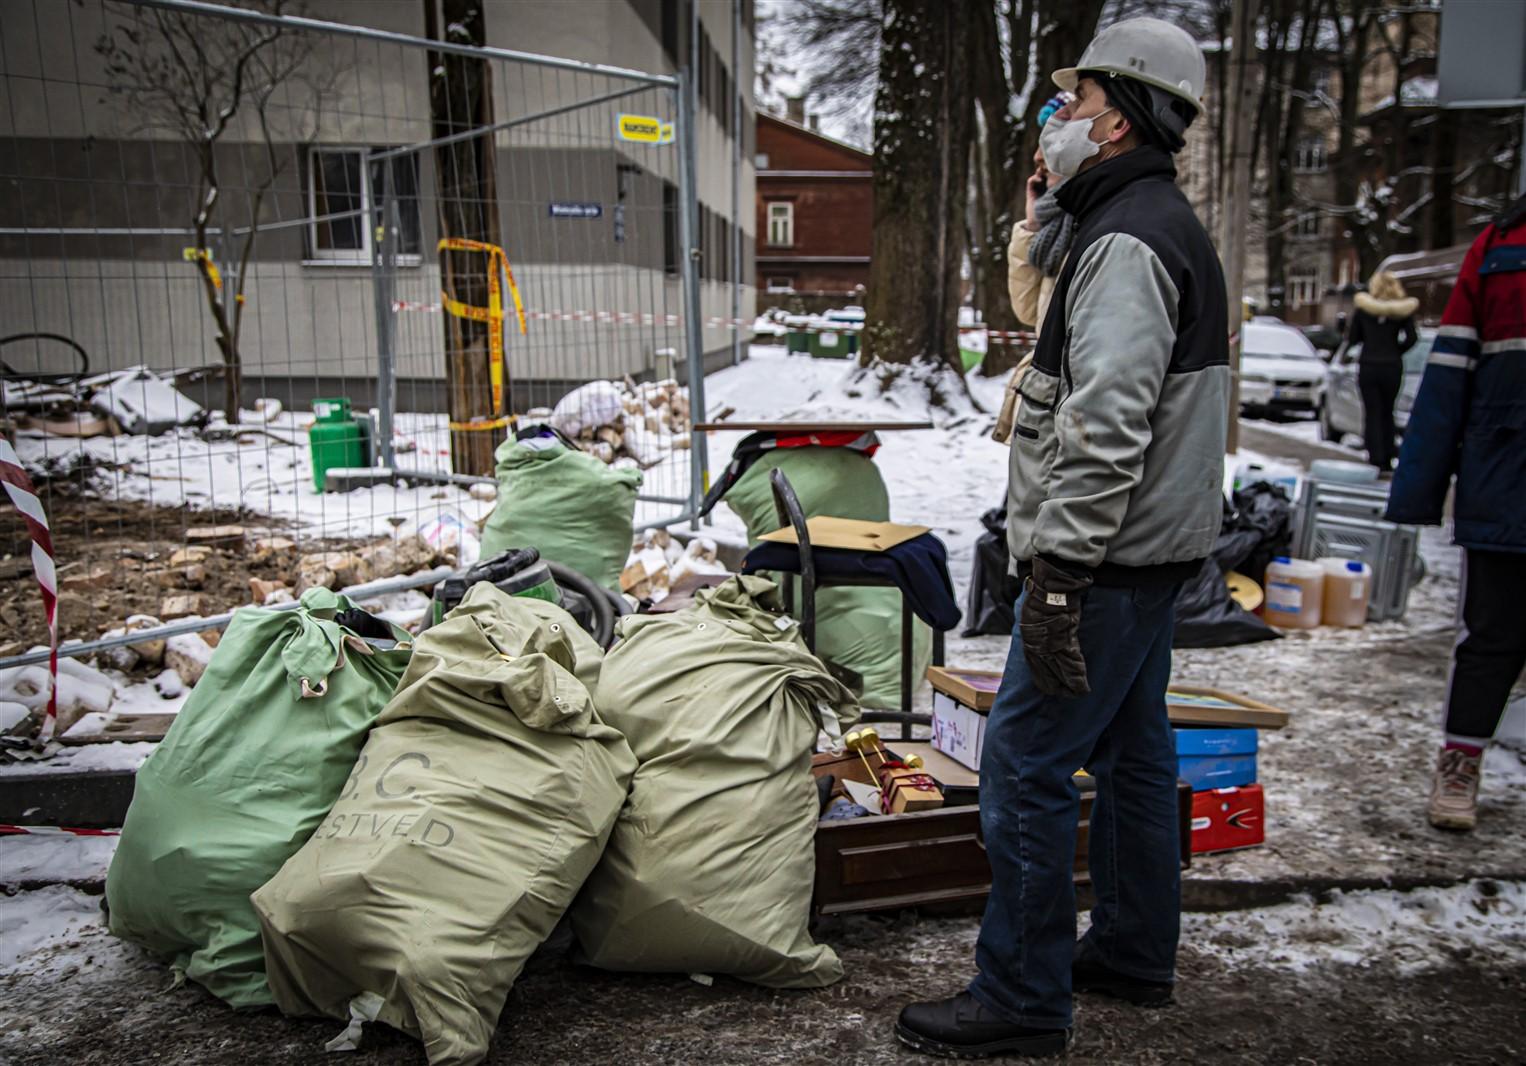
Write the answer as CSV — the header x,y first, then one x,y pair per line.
x,y
657,562
623,423
135,400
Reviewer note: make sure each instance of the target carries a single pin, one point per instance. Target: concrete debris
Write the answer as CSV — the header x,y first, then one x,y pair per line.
x,y
187,655
623,422
184,605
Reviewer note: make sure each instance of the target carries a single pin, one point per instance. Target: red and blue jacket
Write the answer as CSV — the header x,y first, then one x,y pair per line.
x,y
1469,418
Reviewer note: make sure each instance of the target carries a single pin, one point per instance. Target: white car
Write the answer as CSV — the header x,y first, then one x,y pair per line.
x,y
1280,371
1341,412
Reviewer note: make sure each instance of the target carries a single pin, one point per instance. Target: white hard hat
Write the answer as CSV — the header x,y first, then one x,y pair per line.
x,y
1149,50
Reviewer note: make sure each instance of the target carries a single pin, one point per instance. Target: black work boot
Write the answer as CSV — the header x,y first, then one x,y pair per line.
x,y
962,1028
1088,973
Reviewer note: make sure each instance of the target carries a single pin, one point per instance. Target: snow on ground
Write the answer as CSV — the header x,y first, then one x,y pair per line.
x,y
1309,432
45,924
942,478
57,859
270,473
1481,922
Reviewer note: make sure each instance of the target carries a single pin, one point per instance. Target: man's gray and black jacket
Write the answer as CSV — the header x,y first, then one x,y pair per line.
x,y
1118,448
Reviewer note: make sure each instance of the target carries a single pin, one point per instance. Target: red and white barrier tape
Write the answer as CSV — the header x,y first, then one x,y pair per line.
x,y
54,831
19,488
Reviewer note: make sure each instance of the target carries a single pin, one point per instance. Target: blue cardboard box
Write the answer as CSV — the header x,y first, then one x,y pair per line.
x,y
1216,758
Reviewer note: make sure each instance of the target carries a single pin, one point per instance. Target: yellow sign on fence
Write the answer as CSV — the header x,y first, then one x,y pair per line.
x,y
645,129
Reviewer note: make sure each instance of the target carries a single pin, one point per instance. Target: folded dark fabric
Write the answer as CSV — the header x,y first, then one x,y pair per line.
x,y
919,567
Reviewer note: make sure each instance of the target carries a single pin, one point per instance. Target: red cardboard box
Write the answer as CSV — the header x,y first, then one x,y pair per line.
x,y
1228,818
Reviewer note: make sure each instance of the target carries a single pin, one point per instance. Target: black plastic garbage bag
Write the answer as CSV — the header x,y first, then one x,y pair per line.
x,y
1256,528
993,591
1208,617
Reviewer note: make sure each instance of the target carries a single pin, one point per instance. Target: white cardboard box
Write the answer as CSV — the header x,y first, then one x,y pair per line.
x,y
958,731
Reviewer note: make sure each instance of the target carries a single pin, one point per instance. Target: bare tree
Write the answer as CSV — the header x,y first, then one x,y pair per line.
x,y
837,42
209,81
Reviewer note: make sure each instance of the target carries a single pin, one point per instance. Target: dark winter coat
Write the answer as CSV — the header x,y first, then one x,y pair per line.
x,y
1469,417
1384,328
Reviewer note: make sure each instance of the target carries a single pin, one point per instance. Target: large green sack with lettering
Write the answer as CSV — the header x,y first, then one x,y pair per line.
x,y
711,866
481,801
251,765
575,509
859,628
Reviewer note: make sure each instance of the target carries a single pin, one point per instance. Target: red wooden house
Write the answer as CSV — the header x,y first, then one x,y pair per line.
x,y
815,213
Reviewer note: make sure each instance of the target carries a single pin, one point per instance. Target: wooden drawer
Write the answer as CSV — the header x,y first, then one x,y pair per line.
x,y
930,857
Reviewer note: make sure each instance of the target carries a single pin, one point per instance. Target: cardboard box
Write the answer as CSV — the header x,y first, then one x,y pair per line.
x,y
909,790
1228,818
958,731
1216,758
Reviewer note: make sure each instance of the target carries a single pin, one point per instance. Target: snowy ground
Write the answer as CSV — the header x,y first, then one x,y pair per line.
x,y
1432,974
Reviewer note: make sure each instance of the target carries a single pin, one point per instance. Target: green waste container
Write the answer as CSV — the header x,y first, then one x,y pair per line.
x,y
834,340
337,439
797,340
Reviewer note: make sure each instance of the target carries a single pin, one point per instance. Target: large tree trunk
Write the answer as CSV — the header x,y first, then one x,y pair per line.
x,y
922,123
461,98
998,183
1056,32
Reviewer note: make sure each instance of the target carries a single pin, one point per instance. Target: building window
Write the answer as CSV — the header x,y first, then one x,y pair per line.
x,y
1310,157
1303,287
760,160
344,188
781,284
1306,224
781,224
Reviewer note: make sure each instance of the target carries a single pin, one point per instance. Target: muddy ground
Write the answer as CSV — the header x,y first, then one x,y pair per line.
x,y
107,1005
113,561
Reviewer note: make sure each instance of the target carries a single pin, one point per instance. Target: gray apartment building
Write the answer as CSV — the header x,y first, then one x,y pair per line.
x,y
98,197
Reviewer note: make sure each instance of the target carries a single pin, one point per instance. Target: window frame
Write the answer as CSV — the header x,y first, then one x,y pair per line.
x,y
1311,155
1303,280
313,253
769,285
788,223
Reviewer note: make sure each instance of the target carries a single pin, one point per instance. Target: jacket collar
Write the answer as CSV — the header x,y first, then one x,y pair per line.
x,y
1089,190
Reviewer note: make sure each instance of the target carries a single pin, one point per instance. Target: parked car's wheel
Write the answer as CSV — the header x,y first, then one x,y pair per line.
x,y
1326,430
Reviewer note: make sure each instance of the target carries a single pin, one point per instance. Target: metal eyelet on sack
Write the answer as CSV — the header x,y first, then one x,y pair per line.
x,y
555,627
702,625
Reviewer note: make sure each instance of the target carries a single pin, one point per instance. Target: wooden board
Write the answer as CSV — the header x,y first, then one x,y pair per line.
x,y
973,688
811,427
126,728
851,534
1201,705
1185,704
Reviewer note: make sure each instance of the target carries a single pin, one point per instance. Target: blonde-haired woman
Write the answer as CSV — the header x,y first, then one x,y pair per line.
x,y
1384,325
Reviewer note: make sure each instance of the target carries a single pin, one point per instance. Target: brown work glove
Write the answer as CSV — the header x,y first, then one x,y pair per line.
x,y
1051,628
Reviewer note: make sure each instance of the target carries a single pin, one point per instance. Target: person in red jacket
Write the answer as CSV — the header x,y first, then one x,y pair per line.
x,y
1468,422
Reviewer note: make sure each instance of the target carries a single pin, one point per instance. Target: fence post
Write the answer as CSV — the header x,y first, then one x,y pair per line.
x,y
688,217
387,232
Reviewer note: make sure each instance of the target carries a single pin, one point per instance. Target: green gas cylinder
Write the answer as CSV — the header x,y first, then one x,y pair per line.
x,y
336,438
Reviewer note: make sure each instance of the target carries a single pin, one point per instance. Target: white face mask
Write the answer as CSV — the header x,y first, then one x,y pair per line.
x,y
1067,143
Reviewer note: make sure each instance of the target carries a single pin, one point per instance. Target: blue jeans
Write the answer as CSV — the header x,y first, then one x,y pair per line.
x,y
1029,810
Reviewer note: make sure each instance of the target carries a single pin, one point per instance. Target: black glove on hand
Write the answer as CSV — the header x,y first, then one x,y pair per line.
x,y
1051,629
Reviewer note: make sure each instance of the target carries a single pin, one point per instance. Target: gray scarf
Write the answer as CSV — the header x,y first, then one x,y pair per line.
x,y
1051,244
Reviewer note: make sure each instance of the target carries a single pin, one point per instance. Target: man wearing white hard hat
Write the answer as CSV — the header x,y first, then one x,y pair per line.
x,y
1114,500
